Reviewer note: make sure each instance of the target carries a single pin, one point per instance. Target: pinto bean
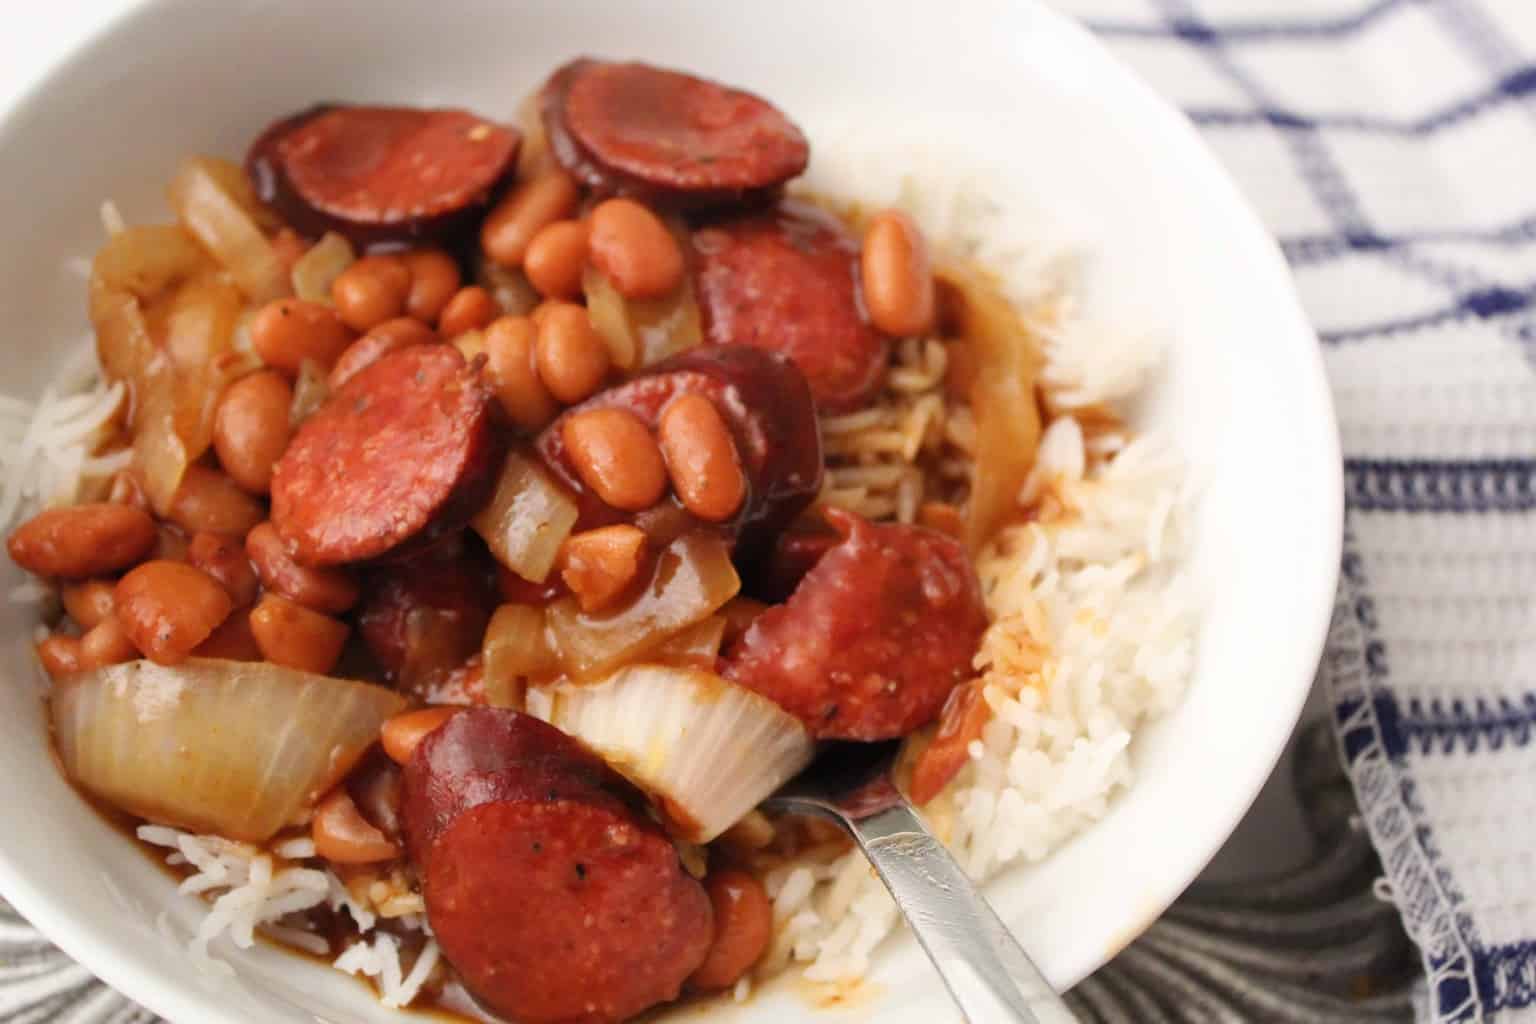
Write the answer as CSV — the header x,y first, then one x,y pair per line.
x,y
701,458
435,279
897,275
168,608
632,248
343,836
743,926
325,590
88,602
106,643
285,332
530,206
82,540
232,641
222,556
251,429
210,501
571,356
556,258
371,291
614,454
292,635
509,347
470,308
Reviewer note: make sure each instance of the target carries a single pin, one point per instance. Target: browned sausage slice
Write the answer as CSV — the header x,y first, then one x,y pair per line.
x,y
558,911
403,454
767,406
667,137
875,637
795,552
382,176
424,619
786,281
553,897
493,755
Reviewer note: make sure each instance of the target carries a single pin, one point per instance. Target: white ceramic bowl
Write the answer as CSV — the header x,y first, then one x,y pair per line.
x,y
1004,86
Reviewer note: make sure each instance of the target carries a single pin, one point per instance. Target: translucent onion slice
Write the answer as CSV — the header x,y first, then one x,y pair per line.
x,y
234,748
509,287
1000,361
146,259
310,390
165,320
176,398
135,266
160,454
707,750
698,646
533,156
320,265
527,519
640,333
515,650
216,210
200,335
692,578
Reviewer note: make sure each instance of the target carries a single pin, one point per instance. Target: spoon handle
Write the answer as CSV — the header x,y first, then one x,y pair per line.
x,y
987,972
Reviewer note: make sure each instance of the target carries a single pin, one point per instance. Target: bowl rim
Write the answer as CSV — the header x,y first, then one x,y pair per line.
x,y
186,1003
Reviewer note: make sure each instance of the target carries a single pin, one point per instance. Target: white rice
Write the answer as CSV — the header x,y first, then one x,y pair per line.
x,y
267,891
1092,622
48,448
379,959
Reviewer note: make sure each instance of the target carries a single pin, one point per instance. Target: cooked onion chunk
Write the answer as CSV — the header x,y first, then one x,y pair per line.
x,y
707,750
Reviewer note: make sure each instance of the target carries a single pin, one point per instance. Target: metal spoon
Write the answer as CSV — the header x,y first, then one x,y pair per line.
x,y
987,972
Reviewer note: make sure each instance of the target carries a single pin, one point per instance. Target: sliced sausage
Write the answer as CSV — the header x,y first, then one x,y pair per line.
x,y
875,637
390,336
423,620
382,176
667,137
625,929
786,280
795,553
765,403
494,755
403,454
553,897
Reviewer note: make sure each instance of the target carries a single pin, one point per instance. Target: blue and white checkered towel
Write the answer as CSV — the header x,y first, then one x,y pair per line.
x,y
1391,145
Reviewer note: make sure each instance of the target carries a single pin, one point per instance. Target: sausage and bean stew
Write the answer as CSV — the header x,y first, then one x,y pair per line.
x,y
479,496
